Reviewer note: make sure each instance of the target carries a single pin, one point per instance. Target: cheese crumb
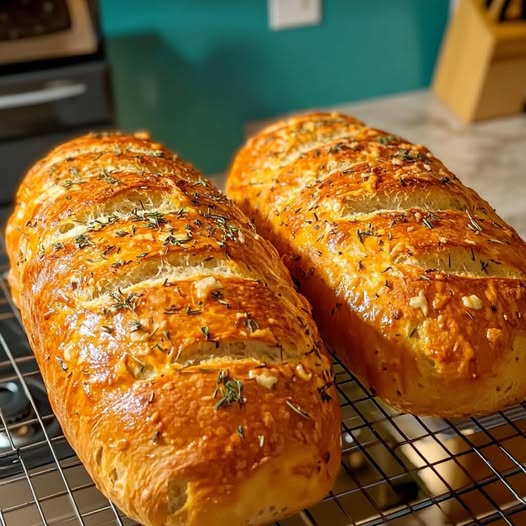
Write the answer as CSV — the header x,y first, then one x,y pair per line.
x,y
493,335
206,285
472,302
264,379
67,353
302,373
419,302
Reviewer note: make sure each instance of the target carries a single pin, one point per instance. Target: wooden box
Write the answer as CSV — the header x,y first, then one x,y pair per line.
x,y
481,70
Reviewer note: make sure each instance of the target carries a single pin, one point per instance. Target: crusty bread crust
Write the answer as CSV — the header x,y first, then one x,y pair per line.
x,y
185,370
416,283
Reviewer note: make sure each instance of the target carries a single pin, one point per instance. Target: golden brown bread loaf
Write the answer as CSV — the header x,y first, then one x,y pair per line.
x,y
185,370
416,283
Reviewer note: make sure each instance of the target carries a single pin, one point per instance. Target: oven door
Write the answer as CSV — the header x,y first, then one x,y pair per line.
x,y
41,109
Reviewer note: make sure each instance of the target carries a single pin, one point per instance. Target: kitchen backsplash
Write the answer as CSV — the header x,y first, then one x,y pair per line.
x,y
195,72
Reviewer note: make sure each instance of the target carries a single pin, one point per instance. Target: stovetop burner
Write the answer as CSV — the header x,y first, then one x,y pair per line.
x,y
15,406
18,413
26,432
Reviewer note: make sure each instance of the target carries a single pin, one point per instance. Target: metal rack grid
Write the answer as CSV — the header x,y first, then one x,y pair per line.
x,y
396,468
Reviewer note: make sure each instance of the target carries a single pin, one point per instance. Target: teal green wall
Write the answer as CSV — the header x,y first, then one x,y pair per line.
x,y
194,72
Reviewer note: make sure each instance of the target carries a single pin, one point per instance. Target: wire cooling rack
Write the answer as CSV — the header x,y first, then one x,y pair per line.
x,y
396,468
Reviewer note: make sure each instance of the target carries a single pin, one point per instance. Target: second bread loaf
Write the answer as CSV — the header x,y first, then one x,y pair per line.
x,y
415,281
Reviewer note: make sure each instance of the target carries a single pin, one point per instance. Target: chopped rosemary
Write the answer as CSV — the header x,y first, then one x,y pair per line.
x,y
67,183
136,325
201,181
405,154
363,233
206,332
106,176
241,432
139,362
154,219
229,389
325,396
175,241
298,410
120,263
384,139
427,223
75,178
82,241
62,364
217,295
123,301
337,147
252,325
473,224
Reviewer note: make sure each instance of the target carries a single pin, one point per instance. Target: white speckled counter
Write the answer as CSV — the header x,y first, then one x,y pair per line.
x,y
489,156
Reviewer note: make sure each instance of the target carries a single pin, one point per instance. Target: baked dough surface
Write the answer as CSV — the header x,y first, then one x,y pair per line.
x,y
185,370
415,281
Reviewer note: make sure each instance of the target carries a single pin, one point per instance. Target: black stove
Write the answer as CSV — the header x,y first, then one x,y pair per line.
x,y
55,81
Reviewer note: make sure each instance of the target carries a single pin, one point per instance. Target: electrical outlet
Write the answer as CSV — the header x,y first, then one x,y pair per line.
x,y
285,14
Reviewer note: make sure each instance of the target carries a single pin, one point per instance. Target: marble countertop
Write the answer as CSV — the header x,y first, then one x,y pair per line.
x,y
489,156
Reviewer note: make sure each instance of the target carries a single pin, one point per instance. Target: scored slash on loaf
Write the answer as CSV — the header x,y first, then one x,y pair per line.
x,y
415,281
184,369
